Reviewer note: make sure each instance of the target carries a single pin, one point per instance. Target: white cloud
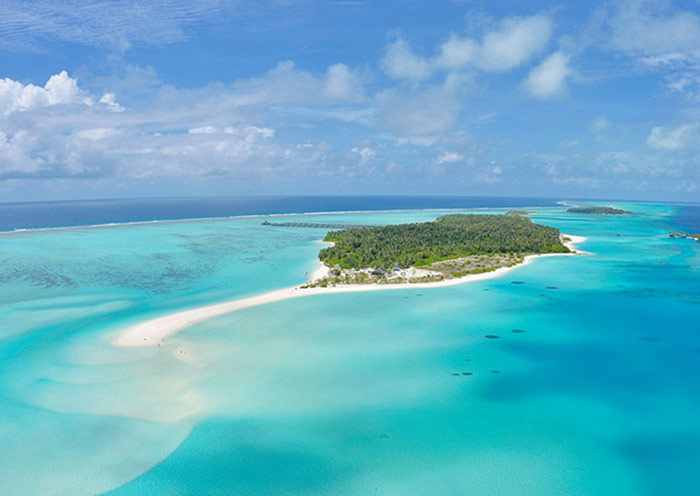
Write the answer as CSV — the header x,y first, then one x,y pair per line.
x,y
513,42
516,41
548,79
14,153
95,134
286,83
491,175
659,37
366,154
59,89
341,83
449,158
264,132
401,63
216,130
649,27
109,100
666,59
676,138
457,53
425,113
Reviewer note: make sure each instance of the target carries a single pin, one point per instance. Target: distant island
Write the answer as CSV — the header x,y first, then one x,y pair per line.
x,y
695,236
452,246
598,210
519,212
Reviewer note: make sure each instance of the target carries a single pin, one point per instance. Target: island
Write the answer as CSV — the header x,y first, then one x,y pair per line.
x,y
684,235
598,210
452,246
453,249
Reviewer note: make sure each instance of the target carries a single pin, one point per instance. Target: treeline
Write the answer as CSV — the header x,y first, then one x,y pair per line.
x,y
598,210
448,237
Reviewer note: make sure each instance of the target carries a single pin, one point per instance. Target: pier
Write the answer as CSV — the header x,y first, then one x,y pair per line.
x,y
319,225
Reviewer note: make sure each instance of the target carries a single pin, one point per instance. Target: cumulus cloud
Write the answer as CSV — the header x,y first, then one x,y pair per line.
x,y
548,79
203,132
456,53
675,138
109,100
60,89
511,43
515,41
401,63
449,158
34,140
341,83
15,153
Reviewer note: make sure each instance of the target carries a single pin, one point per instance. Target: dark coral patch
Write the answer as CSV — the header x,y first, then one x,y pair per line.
x,y
492,336
517,331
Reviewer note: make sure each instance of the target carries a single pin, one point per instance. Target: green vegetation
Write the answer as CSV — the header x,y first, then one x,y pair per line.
x,y
519,212
695,236
598,210
447,238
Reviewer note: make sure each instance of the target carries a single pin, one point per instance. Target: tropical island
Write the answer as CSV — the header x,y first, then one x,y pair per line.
x,y
598,210
452,246
684,235
451,250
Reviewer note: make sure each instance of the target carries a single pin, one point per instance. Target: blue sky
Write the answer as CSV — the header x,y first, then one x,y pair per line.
x,y
458,97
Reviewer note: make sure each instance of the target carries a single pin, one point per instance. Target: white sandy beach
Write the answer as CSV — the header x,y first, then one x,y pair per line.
x,y
152,332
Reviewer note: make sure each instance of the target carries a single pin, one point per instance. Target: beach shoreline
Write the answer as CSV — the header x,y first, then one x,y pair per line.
x,y
153,332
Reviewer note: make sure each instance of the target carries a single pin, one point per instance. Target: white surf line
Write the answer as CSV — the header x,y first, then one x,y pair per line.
x,y
154,331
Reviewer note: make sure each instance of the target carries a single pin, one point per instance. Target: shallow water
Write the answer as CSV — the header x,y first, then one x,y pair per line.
x,y
350,393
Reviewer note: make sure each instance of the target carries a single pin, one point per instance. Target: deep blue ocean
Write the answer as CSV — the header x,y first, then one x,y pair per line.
x,y
86,213
591,389
688,218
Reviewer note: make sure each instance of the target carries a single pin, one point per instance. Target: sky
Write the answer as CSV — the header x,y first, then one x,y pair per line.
x,y
569,99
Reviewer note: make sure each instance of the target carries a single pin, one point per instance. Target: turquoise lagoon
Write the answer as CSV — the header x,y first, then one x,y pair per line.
x,y
349,394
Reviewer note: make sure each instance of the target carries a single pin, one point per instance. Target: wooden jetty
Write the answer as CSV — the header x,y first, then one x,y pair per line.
x,y
319,225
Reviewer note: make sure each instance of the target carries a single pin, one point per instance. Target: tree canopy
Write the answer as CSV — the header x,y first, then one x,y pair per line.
x,y
598,210
448,237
